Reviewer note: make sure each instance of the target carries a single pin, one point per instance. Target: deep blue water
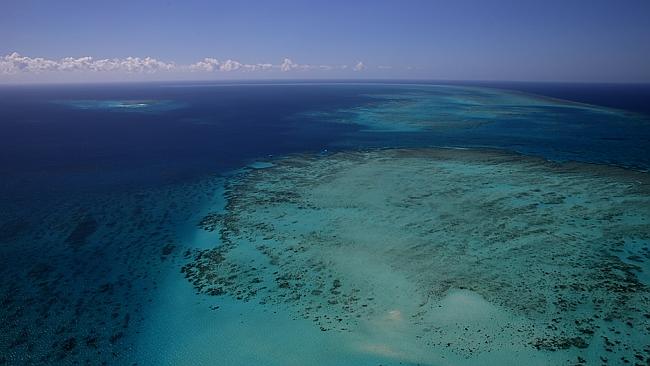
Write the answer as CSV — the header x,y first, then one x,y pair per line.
x,y
89,196
46,145
88,149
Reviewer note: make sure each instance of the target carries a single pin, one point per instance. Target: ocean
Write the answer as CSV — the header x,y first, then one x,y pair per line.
x,y
284,223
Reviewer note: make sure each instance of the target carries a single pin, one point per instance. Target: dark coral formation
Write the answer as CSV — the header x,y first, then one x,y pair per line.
x,y
77,276
84,229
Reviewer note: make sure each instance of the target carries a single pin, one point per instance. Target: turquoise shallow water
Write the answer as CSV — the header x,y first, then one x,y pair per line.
x,y
358,244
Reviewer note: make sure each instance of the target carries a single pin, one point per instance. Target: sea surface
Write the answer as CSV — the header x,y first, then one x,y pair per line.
x,y
339,223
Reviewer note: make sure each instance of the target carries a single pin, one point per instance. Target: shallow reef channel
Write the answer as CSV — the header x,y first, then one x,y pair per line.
x,y
442,256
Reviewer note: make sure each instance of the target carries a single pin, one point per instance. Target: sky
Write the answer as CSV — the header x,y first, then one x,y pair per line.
x,y
514,40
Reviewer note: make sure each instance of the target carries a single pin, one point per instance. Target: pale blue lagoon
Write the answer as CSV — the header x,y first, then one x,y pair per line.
x,y
323,224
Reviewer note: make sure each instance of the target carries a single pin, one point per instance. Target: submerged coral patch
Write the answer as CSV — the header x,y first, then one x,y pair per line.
x,y
462,255
444,107
142,106
79,274
414,116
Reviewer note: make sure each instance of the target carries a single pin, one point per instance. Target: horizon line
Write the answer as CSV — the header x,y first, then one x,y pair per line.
x,y
280,81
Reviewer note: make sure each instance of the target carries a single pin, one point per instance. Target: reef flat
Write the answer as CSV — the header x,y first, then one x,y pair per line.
x,y
443,256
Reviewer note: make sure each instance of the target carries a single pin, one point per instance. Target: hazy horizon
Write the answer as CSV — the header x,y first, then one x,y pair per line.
x,y
126,80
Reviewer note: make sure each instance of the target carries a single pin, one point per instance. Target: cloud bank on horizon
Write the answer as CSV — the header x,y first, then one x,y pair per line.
x,y
15,63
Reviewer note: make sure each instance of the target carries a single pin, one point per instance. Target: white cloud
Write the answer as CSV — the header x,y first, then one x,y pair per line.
x,y
230,65
208,64
212,64
15,63
259,67
147,64
288,65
